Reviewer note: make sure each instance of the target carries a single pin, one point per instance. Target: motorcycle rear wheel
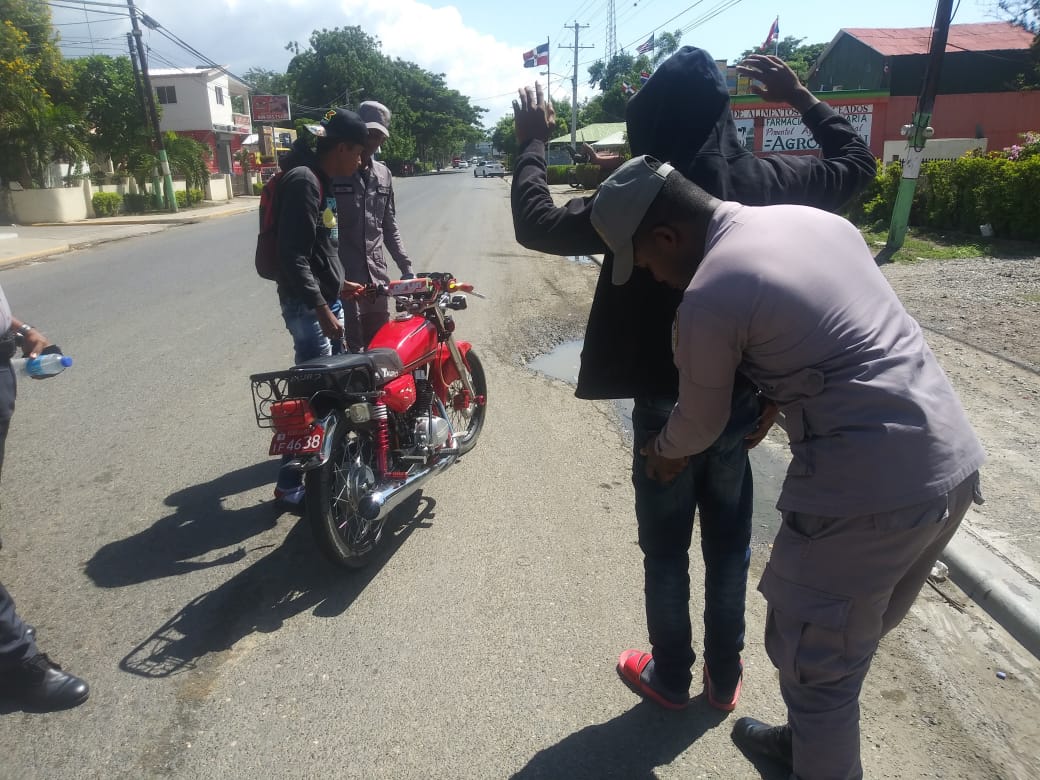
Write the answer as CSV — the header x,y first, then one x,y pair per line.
x,y
467,423
332,493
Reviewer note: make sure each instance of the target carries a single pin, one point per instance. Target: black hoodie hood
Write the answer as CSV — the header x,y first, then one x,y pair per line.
x,y
681,115
299,154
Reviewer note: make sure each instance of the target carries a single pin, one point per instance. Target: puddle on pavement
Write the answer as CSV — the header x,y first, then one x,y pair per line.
x,y
768,461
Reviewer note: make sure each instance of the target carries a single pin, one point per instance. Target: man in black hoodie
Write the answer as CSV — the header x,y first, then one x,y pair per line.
x,y
682,116
310,276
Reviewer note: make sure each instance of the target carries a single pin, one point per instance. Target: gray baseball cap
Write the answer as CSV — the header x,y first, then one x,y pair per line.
x,y
620,204
376,116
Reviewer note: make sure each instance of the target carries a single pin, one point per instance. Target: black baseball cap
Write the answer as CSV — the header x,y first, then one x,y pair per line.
x,y
341,124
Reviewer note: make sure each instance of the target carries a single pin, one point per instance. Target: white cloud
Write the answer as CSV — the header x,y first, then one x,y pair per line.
x,y
249,34
473,63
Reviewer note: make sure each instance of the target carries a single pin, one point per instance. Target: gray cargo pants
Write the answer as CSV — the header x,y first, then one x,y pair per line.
x,y
834,587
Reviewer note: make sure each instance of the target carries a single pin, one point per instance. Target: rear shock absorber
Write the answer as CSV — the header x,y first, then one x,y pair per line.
x,y
383,443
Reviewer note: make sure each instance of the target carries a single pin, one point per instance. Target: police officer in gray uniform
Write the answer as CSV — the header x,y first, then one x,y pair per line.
x,y
884,461
368,230
26,675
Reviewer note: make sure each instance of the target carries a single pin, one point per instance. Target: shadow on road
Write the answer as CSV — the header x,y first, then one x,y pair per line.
x,y
292,578
632,745
199,524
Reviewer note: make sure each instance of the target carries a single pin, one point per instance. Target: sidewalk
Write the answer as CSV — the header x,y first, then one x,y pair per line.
x,y
23,243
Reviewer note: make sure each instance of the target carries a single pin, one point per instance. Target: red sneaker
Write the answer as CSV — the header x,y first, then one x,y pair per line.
x,y
637,670
719,699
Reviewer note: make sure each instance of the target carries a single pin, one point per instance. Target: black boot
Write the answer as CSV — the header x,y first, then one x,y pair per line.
x,y
760,738
41,685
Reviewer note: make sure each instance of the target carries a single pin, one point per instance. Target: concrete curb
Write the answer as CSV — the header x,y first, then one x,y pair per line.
x,y
57,249
157,220
998,587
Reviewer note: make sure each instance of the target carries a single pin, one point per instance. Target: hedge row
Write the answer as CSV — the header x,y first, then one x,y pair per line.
x,y
106,203
138,202
962,195
588,176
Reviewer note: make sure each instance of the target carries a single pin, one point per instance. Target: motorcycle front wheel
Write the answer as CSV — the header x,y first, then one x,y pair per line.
x,y
332,495
466,415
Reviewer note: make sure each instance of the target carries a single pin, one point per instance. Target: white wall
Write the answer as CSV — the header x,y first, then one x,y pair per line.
x,y
66,204
196,107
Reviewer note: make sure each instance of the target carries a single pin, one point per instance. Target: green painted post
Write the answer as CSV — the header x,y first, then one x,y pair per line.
x,y
908,184
918,131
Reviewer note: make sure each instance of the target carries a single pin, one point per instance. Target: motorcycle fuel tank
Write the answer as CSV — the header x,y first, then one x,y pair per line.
x,y
413,338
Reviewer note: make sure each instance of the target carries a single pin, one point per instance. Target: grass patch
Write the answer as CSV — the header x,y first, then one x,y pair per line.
x,y
935,245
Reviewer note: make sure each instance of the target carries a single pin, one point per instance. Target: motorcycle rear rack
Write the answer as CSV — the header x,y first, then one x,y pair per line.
x,y
267,388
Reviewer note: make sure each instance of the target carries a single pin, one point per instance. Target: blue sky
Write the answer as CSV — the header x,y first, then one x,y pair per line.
x,y
478,44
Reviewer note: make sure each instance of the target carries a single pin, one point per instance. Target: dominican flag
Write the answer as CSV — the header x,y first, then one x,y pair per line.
x,y
774,34
537,57
627,89
643,78
647,45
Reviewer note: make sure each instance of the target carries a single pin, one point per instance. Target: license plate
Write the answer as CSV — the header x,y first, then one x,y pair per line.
x,y
298,443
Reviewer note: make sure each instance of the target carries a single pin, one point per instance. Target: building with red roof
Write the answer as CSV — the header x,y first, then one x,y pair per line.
x,y
874,78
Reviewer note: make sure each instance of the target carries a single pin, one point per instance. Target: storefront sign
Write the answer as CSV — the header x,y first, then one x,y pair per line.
x,y
270,108
784,131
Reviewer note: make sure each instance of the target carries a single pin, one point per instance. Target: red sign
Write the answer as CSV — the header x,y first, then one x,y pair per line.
x,y
270,108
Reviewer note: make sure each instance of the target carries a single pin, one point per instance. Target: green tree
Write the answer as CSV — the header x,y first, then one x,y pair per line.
x,y
33,81
503,137
790,50
344,66
266,82
665,45
1025,13
105,94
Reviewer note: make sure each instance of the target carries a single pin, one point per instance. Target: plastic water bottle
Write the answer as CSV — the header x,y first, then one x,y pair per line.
x,y
42,366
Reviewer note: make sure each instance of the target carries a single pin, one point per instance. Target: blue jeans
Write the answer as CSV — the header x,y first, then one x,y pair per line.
x,y
308,342
717,483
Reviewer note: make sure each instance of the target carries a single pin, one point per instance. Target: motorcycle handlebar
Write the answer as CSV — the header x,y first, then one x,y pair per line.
x,y
423,287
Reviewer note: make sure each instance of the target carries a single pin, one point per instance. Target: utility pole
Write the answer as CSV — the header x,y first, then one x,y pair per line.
x,y
171,200
611,32
574,83
917,132
138,85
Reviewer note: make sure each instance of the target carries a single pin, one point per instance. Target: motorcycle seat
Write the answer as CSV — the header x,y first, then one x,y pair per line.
x,y
383,364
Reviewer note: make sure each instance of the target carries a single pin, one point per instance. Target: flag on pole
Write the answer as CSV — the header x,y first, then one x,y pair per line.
x,y
537,57
647,45
774,34
643,78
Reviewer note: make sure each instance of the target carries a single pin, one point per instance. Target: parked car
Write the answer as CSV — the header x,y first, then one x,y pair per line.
x,y
463,163
487,168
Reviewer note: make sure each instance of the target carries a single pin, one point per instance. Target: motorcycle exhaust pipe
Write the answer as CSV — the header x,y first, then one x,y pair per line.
x,y
380,503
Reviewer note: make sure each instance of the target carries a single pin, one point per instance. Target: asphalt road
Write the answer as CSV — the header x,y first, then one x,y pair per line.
x,y
141,541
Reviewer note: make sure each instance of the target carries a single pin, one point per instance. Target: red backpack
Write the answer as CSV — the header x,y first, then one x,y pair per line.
x,y
267,265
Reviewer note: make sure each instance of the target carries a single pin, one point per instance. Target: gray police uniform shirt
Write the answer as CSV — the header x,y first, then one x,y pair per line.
x,y
791,297
5,313
368,225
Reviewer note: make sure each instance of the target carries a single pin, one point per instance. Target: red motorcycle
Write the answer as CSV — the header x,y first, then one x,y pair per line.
x,y
370,429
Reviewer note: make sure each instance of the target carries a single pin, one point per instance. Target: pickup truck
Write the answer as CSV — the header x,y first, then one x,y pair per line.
x,y
487,168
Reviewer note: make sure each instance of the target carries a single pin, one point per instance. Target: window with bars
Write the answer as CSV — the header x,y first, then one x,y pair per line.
x,y
166,95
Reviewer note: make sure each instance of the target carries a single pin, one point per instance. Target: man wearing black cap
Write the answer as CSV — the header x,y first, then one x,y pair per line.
x,y
682,115
311,279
